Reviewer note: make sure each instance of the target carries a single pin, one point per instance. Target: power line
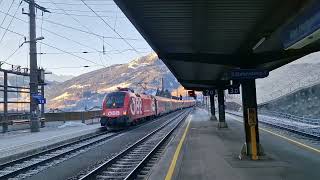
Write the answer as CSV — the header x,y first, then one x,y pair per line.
x,y
15,13
70,53
13,31
82,11
75,4
51,33
84,45
51,47
72,67
75,19
80,30
73,28
7,13
92,52
14,52
85,15
109,25
79,52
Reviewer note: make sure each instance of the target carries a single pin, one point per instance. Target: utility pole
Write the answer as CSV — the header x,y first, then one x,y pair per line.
x,y
34,108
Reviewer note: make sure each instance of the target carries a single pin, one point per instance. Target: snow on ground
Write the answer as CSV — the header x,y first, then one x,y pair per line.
x,y
71,124
62,96
113,88
133,63
288,123
78,86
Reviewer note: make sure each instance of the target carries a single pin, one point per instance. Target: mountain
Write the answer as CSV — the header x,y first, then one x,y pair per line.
x,y
58,78
142,74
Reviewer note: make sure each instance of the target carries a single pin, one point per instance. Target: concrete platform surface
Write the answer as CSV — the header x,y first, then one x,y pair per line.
x,y
211,153
20,143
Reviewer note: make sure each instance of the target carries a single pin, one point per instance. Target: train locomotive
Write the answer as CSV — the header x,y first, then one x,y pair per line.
x,y
123,108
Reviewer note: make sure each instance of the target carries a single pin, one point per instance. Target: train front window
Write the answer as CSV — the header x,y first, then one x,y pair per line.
x,y
115,100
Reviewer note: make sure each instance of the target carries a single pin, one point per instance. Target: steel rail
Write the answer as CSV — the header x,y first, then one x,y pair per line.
x,y
37,156
132,172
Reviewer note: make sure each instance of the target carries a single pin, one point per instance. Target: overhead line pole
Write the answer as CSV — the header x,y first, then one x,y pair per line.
x,y
34,108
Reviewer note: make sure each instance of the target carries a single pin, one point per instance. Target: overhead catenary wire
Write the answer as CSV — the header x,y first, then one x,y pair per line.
x,y
71,67
93,62
12,54
12,31
84,30
76,29
7,13
76,20
85,15
108,25
82,11
12,18
76,4
53,48
59,35
47,30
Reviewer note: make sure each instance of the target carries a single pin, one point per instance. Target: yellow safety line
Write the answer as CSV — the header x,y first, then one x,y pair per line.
x,y
288,139
176,154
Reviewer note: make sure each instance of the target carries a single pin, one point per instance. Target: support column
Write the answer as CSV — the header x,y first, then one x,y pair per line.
x,y
42,121
252,148
5,103
212,107
34,109
222,119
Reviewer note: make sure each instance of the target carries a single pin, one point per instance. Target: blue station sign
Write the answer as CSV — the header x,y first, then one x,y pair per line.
x,y
304,29
39,98
239,74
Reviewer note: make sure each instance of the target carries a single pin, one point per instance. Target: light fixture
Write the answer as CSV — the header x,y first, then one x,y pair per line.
x,y
259,43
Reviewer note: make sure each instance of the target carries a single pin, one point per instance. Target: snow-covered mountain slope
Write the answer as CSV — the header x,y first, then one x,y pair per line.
x,y
299,74
143,74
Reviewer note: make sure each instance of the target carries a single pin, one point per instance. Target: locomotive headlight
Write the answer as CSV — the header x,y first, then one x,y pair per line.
x,y
124,112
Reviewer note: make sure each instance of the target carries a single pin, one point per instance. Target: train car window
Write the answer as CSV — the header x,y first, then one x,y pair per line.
x,y
115,100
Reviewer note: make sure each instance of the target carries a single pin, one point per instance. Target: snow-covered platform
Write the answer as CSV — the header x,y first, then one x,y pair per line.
x,y
19,143
202,151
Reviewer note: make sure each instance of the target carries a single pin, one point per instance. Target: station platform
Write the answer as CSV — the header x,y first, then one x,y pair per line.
x,y
202,151
20,143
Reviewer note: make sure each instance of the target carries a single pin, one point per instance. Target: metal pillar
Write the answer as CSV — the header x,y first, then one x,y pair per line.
x,y
5,103
205,102
222,119
34,109
252,147
42,107
212,107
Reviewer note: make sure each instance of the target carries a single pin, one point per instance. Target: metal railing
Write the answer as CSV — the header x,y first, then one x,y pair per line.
x,y
13,118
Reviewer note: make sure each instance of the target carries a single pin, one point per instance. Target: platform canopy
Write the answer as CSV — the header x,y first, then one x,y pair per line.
x,y
201,40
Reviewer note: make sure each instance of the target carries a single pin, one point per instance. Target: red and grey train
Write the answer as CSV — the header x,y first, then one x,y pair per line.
x,y
123,108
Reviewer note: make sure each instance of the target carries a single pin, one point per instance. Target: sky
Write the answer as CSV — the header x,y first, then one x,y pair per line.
x,y
74,35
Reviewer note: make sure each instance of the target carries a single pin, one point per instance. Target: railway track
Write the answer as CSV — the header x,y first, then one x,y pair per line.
x,y
30,165
133,162
285,127
23,165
